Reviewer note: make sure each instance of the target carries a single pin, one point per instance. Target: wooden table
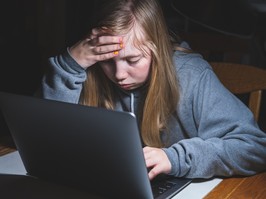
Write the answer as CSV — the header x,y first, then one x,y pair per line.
x,y
253,187
6,145
5,150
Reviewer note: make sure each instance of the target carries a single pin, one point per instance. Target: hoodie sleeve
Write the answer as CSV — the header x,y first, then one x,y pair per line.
x,y
63,79
222,137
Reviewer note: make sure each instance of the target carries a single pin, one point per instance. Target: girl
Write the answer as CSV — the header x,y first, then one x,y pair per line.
x,y
191,125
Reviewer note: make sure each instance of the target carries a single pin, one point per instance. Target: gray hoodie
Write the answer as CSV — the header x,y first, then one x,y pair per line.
x,y
212,133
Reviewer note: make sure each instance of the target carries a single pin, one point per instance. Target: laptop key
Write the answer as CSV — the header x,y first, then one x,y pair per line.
x,y
160,188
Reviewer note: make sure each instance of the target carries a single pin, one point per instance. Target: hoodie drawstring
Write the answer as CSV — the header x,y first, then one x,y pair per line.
x,y
132,103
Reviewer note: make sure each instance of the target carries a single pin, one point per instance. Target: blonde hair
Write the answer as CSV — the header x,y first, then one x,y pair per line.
x,y
162,86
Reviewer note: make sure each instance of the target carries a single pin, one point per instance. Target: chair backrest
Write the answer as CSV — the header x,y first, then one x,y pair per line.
x,y
218,47
243,79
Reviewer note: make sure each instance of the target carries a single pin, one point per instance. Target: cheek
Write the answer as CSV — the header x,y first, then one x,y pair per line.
x,y
146,69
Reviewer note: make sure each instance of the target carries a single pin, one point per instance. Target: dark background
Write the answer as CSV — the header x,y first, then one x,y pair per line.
x,y
33,30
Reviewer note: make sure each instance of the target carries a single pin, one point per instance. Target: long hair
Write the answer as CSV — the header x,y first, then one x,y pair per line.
x,y
162,94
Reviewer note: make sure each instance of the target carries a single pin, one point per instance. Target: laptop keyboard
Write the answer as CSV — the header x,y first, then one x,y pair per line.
x,y
164,186
160,188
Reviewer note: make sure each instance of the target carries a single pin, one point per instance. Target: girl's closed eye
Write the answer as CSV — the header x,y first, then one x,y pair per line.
x,y
132,62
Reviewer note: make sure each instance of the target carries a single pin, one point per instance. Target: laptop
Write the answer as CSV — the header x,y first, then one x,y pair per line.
x,y
87,148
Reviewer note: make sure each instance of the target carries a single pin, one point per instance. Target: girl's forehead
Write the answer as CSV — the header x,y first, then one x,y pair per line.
x,y
134,40
135,35
129,49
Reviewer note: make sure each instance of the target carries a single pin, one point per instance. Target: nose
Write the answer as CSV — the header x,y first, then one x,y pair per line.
x,y
121,71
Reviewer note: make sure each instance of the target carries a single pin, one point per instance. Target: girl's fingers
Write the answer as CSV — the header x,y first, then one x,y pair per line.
x,y
104,35
110,40
154,172
100,45
100,31
156,160
107,48
105,40
106,56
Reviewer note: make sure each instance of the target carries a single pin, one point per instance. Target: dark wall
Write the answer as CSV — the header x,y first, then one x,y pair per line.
x,y
31,31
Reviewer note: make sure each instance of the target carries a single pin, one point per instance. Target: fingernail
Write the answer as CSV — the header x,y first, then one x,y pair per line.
x,y
116,52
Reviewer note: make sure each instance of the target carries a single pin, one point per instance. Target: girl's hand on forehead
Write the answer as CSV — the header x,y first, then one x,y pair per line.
x,y
100,45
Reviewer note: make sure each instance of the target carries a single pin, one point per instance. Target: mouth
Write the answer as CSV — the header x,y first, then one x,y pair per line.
x,y
126,86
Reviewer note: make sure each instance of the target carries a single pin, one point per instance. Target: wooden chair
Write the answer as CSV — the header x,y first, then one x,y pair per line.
x,y
215,47
243,79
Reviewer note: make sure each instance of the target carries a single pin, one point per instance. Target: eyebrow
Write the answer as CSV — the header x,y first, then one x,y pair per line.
x,y
132,56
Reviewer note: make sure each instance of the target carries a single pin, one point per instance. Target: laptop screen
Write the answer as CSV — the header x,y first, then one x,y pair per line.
x,y
89,148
